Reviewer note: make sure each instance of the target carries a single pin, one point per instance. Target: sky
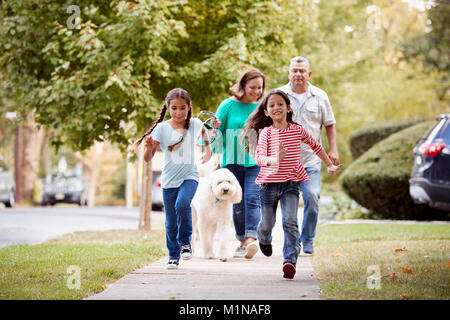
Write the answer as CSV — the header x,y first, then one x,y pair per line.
x,y
420,4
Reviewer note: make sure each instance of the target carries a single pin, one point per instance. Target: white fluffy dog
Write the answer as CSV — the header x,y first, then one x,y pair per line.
x,y
212,209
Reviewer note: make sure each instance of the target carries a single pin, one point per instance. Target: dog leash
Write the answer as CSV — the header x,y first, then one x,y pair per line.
x,y
209,125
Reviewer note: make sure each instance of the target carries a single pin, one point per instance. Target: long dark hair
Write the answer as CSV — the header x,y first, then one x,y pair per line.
x,y
238,89
177,93
258,121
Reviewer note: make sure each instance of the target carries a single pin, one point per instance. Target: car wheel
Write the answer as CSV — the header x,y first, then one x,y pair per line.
x,y
83,201
12,199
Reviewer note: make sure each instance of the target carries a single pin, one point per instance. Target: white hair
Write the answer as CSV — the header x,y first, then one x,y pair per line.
x,y
299,59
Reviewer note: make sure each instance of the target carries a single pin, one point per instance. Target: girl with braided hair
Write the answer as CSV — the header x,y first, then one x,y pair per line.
x,y
179,179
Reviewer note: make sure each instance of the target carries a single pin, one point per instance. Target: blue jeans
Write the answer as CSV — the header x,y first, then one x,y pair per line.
x,y
311,197
177,205
247,213
288,194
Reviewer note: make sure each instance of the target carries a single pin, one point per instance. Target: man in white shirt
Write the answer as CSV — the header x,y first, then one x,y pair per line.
x,y
312,110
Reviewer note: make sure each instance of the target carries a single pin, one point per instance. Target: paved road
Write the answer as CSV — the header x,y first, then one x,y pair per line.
x,y
36,224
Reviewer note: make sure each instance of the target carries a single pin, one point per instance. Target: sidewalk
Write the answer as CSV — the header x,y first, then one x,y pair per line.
x,y
260,278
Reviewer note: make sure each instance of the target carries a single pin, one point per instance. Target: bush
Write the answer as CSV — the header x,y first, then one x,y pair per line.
x,y
363,139
379,179
343,208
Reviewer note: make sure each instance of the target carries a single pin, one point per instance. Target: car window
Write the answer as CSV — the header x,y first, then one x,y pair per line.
x,y
445,132
63,177
431,133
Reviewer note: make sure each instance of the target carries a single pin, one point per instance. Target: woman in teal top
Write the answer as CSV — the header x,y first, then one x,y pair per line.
x,y
232,115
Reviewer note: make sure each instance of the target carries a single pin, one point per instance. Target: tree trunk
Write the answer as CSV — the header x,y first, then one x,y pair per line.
x,y
146,196
18,163
129,184
28,145
47,158
92,163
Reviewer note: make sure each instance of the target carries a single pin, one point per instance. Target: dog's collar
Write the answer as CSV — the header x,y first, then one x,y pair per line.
x,y
217,200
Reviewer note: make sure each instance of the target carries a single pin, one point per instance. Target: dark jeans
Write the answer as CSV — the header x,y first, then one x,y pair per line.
x,y
177,205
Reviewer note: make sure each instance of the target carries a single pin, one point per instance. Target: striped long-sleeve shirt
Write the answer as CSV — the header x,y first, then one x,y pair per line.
x,y
290,169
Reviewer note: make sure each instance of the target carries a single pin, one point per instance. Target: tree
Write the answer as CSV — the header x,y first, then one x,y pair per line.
x,y
355,52
116,67
87,76
433,46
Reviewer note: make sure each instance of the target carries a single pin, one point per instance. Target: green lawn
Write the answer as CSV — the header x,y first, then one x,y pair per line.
x,y
43,271
413,261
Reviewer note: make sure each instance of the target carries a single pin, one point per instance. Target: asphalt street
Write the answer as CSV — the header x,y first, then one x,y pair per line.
x,y
31,225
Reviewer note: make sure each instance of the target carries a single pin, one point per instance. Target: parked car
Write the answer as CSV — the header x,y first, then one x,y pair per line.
x,y
67,186
430,177
7,184
157,199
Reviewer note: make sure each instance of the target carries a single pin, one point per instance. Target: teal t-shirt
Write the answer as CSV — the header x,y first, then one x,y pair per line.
x,y
179,165
233,115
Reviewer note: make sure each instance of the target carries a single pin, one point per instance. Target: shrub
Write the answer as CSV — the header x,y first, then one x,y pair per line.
x,y
343,208
379,179
363,139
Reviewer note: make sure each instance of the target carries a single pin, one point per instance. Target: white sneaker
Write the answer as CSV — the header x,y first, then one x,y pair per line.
x,y
186,252
172,264
240,251
252,249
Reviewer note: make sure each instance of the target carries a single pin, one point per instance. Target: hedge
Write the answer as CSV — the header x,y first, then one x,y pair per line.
x,y
379,179
363,139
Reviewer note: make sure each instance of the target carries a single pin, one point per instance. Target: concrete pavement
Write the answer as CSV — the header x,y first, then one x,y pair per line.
x,y
260,278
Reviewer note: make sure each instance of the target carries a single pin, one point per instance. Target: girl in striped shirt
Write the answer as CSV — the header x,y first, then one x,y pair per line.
x,y
278,153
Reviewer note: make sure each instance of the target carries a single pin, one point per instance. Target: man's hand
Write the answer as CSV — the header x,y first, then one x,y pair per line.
x,y
334,157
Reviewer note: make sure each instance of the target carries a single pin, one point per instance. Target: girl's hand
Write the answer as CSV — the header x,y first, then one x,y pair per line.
x,y
281,152
279,156
150,143
332,169
150,148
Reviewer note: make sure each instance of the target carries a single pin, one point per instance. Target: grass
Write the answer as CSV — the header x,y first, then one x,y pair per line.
x,y
43,271
413,261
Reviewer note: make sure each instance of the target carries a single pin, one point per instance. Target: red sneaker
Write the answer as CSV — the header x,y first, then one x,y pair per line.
x,y
288,270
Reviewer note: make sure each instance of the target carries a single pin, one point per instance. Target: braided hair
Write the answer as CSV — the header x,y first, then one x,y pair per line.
x,y
177,93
